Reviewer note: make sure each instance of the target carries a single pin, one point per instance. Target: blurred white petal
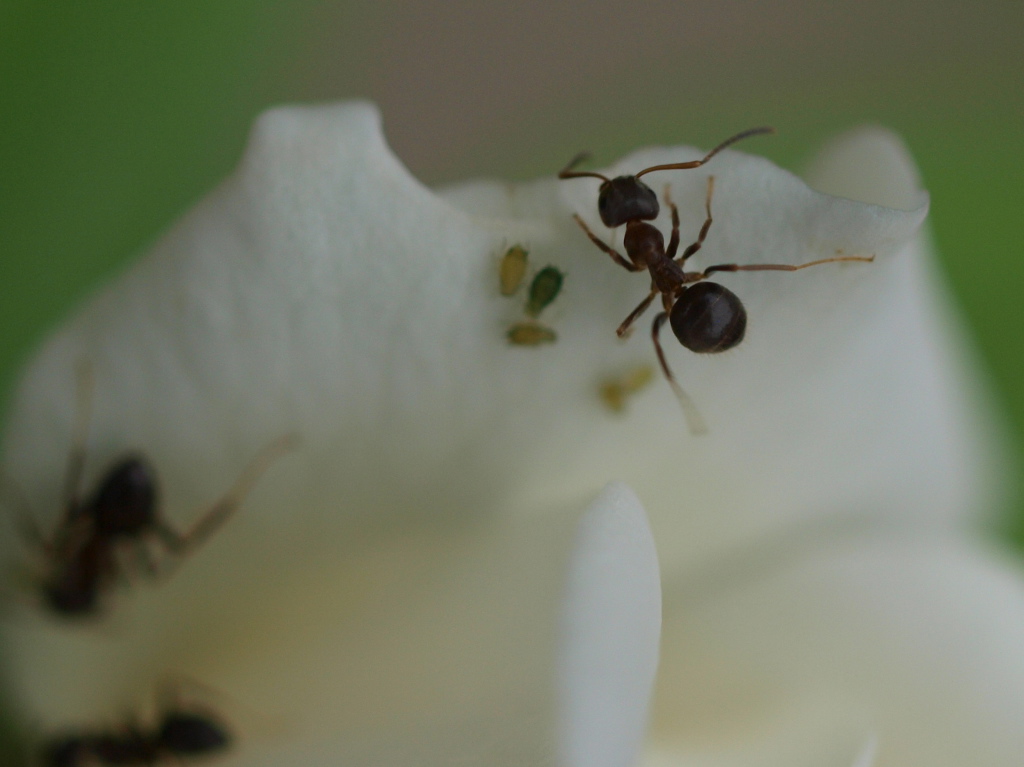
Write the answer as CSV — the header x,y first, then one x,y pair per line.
x,y
915,638
518,642
611,626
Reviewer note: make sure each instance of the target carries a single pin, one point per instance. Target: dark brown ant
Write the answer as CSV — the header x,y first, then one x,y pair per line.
x,y
123,512
705,316
179,734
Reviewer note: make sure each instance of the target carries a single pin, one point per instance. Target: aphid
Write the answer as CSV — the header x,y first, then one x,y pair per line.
x,y
705,317
530,334
512,269
614,392
180,733
122,513
544,289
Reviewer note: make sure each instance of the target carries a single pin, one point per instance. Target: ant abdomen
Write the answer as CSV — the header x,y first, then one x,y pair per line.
x,y
708,318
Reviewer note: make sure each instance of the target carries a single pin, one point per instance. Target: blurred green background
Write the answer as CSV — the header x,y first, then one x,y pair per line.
x,y
118,115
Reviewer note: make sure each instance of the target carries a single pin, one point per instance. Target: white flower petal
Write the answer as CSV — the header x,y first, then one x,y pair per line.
x,y
324,291
611,628
915,640
870,164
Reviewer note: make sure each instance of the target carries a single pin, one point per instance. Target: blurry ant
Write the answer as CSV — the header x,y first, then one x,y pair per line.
x,y
180,734
124,510
705,317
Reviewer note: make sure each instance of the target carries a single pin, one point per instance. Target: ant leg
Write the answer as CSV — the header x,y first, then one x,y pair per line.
x,y
26,523
627,265
227,505
673,243
625,328
775,267
693,416
76,458
143,560
705,228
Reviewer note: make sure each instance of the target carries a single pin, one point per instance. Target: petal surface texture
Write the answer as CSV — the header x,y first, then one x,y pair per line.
x,y
391,590
322,290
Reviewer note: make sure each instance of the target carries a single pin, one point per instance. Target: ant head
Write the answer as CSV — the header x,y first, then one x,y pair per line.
x,y
125,502
625,198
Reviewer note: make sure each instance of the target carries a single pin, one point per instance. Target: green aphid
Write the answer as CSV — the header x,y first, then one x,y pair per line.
x,y
543,290
512,269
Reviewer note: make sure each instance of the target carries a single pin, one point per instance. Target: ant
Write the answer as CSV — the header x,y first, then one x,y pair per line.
x,y
123,510
706,317
180,733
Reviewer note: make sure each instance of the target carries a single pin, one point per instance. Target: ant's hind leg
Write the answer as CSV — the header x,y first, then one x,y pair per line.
x,y
673,243
626,327
693,416
616,257
705,228
228,504
777,267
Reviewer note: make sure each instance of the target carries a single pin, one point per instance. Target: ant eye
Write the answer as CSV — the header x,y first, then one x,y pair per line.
x,y
625,199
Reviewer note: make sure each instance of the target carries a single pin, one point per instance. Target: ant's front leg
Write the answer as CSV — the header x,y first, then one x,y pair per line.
x,y
627,265
704,229
626,327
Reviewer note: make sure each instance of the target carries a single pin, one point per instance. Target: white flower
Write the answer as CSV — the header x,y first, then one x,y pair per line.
x,y
390,593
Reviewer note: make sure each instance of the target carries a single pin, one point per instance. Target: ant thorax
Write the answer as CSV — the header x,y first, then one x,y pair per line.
x,y
667,275
644,243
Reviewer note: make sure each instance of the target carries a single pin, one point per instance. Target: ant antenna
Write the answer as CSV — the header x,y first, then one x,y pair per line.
x,y
693,417
568,172
697,163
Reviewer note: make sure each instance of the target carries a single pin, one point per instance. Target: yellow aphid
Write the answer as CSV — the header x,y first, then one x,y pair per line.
x,y
530,334
614,392
512,269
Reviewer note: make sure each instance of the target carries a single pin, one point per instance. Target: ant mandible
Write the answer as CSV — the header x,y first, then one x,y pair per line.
x,y
705,316
123,510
